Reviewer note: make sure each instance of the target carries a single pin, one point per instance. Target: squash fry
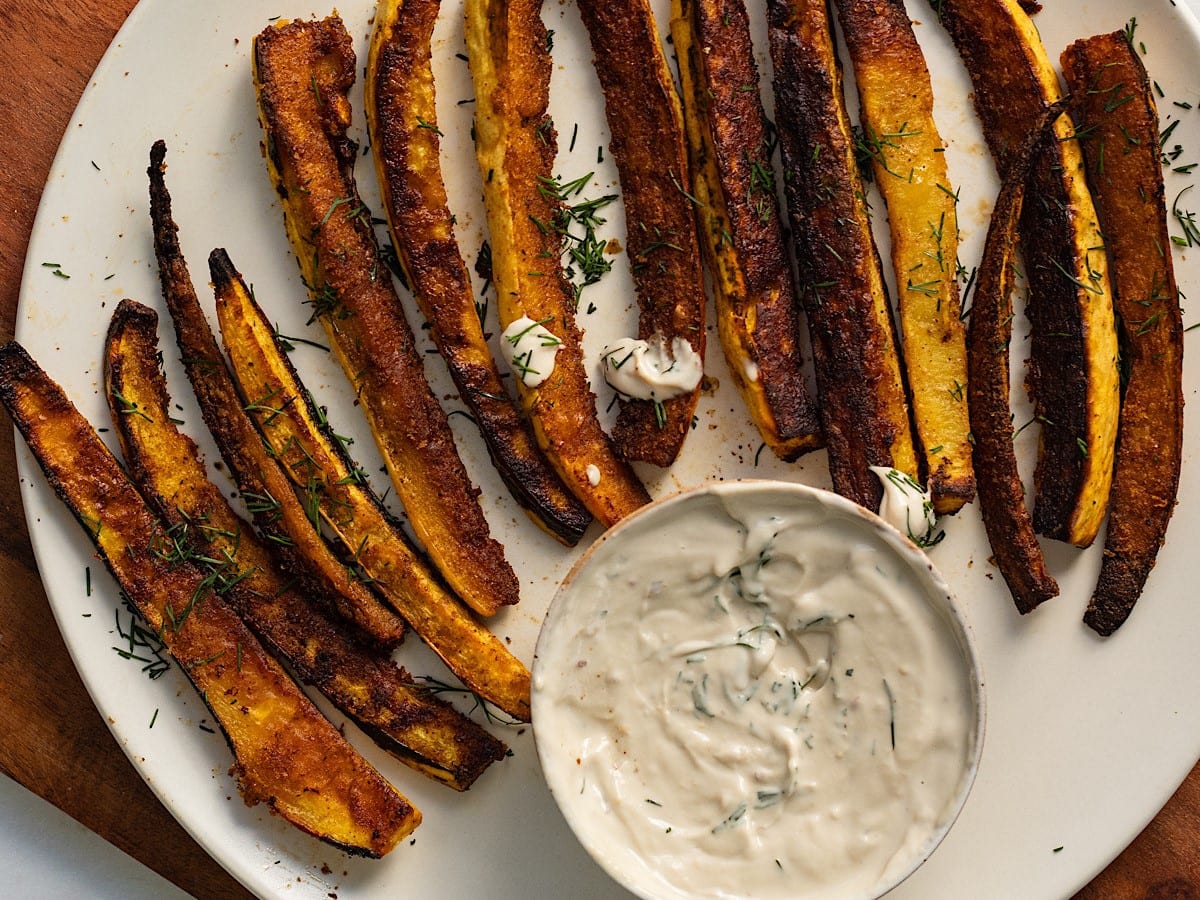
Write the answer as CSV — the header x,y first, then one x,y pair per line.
x,y
1006,518
416,728
297,435
1115,108
1073,376
734,182
860,386
287,754
515,144
402,120
277,512
302,73
646,123
902,140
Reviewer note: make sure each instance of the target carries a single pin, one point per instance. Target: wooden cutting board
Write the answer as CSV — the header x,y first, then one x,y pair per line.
x,y
54,741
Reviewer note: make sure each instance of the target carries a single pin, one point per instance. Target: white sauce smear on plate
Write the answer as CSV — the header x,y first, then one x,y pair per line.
x,y
906,505
748,704
529,349
648,370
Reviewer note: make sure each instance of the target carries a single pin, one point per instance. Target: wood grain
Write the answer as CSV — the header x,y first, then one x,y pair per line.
x,y
54,742
1163,862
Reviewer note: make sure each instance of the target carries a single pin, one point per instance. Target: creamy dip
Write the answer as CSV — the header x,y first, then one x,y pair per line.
x,y
754,695
907,505
650,370
529,349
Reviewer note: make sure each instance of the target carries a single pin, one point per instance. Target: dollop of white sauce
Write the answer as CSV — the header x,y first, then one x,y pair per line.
x,y
529,349
907,506
649,370
754,704
750,370
593,474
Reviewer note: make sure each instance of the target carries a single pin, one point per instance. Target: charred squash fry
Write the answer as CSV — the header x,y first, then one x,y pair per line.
x,y
402,119
419,730
298,436
646,123
1073,376
734,182
302,73
287,754
277,511
515,144
901,137
1116,110
1015,547
860,386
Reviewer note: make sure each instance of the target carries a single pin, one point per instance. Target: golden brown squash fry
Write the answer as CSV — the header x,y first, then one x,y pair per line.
x,y
277,511
1073,376
1015,547
302,74
416,728
402,119
1116,111
515,144
646,123
287,754
333,488
860,386
901,137
734,182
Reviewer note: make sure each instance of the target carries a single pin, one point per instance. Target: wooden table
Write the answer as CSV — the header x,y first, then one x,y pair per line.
x,y
52,739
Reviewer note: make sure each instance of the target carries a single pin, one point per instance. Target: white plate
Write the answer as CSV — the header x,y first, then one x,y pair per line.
x,y
1087,738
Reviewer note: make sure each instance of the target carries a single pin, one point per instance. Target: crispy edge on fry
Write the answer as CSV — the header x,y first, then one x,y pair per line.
x,y
646,124
740,230
303,72
1073,376
402,718
295,431
860,386
515,146
405,141
278,513
1115,108
1006,518
902,139
287,754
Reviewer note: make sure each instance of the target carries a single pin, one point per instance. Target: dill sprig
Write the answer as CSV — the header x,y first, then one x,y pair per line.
x,y
871,146
585,254
141,644
288,342
483,268
130,407
493,715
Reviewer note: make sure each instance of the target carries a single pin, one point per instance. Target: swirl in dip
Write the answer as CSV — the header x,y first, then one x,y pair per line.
x,y
756,690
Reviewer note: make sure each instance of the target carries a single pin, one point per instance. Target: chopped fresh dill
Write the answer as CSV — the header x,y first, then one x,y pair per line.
x,y
493,715
288,342
891,711
429,126
141,644
731,820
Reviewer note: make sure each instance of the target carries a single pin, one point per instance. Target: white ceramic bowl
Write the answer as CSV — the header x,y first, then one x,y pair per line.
x,y
705,650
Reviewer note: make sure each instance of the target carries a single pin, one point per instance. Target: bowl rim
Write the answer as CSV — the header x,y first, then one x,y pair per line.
x,y
939,592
